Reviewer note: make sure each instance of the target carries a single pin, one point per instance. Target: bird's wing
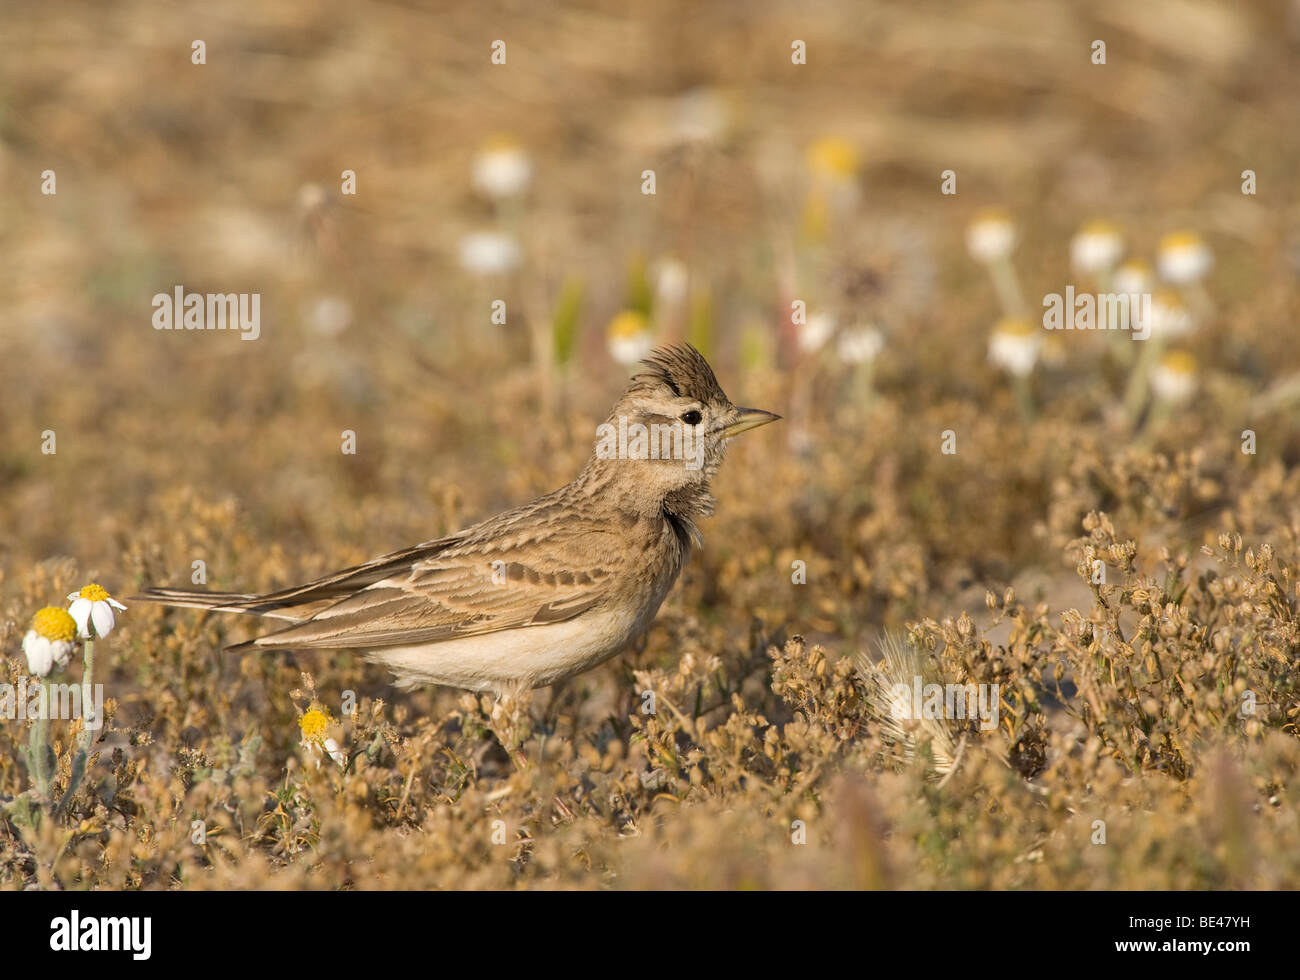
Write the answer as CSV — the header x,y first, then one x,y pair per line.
x,y
301,602
315,597
455,592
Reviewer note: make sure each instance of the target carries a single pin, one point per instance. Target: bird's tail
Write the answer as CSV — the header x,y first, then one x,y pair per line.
x,y
248,603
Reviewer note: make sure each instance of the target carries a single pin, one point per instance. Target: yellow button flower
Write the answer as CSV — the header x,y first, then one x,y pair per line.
x,y
50,641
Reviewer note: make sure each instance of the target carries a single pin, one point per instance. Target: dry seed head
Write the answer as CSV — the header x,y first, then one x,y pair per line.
x,y
902,662
965,627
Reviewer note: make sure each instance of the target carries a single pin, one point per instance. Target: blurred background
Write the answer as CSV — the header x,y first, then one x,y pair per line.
x,y
775,182
779,187
457,261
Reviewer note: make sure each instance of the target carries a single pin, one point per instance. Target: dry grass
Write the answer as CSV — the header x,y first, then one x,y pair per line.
x,y
1121,702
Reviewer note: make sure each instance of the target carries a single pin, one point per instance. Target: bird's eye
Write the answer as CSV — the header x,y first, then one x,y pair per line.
x,y
692,417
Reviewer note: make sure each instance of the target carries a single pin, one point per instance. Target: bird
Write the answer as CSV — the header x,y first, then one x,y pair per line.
x,y
540,593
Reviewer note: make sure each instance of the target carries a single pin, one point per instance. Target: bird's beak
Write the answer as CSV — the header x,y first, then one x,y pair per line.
x,y
747,418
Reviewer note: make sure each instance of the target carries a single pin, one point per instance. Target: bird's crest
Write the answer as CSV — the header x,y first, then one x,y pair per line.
x,y
683,370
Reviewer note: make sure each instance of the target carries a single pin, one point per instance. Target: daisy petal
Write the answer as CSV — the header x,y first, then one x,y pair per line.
x,y
40,654
62,653
80,612
101,613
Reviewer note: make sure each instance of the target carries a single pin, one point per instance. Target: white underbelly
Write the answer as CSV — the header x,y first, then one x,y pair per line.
x,y
532,656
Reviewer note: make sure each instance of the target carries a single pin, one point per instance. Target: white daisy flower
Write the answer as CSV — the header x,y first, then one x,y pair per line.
x,y
1015,346
1183,258
1173,380
93,606
671,277
1132,277
816,329
1170,316
1096,247
502,169
311,197
991,237
314,726
860,345
489,253
50,641
701,115
329,316
629,337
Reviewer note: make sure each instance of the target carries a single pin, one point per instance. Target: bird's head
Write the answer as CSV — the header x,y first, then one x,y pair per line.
x,y
669,431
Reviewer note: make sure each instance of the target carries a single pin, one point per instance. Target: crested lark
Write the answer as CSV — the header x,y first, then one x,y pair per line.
x,y
544,591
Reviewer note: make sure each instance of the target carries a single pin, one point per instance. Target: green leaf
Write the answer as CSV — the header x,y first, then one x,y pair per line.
x,y
566,319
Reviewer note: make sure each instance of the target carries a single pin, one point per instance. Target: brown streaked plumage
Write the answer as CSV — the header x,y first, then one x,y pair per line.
x,y
541,592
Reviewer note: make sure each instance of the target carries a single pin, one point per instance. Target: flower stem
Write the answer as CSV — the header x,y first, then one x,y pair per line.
x,y
1159,414
1024,397
38,746
1007,287
1135,397
863,387
87,698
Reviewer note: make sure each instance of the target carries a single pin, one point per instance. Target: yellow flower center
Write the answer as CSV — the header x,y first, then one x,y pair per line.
x,y
1099,227
1014,326
991,216
816,216
314,723
628,324
93,592
832,157
55,624
1180,240
1168,299
1179,362
500,143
